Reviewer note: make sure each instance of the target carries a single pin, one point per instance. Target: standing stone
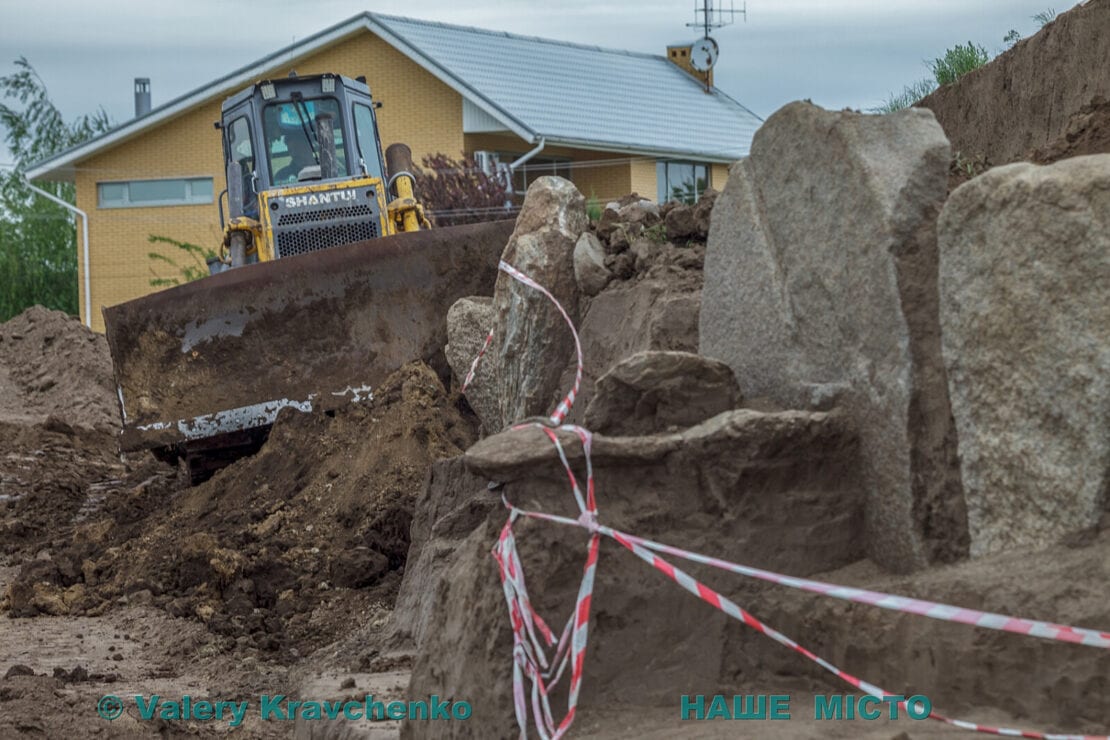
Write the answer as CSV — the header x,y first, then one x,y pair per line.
x,y
1025,312
532,341
468,323
821,269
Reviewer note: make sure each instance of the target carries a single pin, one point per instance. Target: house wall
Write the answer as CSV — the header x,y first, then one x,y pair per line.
x,y
605,175
717,175
120,268
642,178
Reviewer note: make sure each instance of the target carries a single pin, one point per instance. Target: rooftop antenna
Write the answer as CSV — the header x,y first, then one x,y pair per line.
x,y
709,14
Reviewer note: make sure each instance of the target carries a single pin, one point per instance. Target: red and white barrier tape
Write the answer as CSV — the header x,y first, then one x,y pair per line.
x,y
640,547
931,609
529,649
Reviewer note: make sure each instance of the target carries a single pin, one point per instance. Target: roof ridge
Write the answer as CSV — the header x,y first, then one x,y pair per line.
x,y
511,35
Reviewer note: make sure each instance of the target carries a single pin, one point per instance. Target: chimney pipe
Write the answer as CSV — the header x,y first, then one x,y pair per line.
x,y
142,96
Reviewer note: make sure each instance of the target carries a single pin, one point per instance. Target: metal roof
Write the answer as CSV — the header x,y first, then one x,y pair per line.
x,y
568,94
586,95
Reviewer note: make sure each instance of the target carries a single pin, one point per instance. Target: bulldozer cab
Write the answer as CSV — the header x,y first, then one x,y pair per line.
x,y
305,171
279,133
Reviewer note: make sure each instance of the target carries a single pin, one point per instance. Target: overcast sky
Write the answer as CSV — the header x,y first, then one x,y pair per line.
x,y
846,53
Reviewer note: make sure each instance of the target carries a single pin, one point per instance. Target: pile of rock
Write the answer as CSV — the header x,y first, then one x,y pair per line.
x,y
526,369
631,229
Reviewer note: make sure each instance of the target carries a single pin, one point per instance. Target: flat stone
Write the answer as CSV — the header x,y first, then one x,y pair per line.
x,y
654,391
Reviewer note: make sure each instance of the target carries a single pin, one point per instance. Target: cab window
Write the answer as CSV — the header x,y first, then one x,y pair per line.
x,y
368,145
292,141
241,151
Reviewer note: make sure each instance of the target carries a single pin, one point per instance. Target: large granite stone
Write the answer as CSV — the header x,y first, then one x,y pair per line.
x,y
775,491
1025,311
820,271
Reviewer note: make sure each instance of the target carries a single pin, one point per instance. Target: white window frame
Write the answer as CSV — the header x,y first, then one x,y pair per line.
x,y
190,198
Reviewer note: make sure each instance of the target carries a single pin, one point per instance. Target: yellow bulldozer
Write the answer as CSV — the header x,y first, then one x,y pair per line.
x,y
328,279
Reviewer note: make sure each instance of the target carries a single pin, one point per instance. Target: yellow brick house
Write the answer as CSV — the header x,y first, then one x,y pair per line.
x,y
612,121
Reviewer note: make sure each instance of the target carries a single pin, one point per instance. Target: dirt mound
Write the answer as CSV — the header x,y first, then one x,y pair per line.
x,y
53,476
281,549
50,364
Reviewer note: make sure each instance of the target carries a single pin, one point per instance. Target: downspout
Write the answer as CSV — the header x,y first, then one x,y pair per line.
x,y
518,162
84,242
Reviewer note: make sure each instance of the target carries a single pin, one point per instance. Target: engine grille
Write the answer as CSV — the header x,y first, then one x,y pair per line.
x,y
303,241
300,228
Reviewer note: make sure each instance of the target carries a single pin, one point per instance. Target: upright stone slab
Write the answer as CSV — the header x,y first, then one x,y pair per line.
x,y
821,272
532,342
1025,288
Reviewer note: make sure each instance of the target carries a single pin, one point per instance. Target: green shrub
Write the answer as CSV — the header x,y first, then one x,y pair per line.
x,y
1045,17
909,96
656,234
958,61
184,273
593,208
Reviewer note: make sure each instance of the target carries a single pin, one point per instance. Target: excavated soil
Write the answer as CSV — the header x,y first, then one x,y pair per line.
x,y
278,551
53,476
51,365
1024,100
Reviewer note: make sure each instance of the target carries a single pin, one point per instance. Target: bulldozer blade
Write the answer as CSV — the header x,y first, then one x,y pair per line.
x,y
223,355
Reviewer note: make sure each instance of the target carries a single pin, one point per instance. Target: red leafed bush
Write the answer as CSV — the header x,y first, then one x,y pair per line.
x,y
458,192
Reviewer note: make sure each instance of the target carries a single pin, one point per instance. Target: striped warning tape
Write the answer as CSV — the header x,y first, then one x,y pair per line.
x,y
640,547
529,650
920,607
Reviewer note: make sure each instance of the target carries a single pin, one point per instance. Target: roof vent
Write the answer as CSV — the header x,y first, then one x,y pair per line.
x,y
142,96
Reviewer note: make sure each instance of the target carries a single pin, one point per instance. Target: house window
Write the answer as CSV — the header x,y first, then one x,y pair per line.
x,y
170,192
681,181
